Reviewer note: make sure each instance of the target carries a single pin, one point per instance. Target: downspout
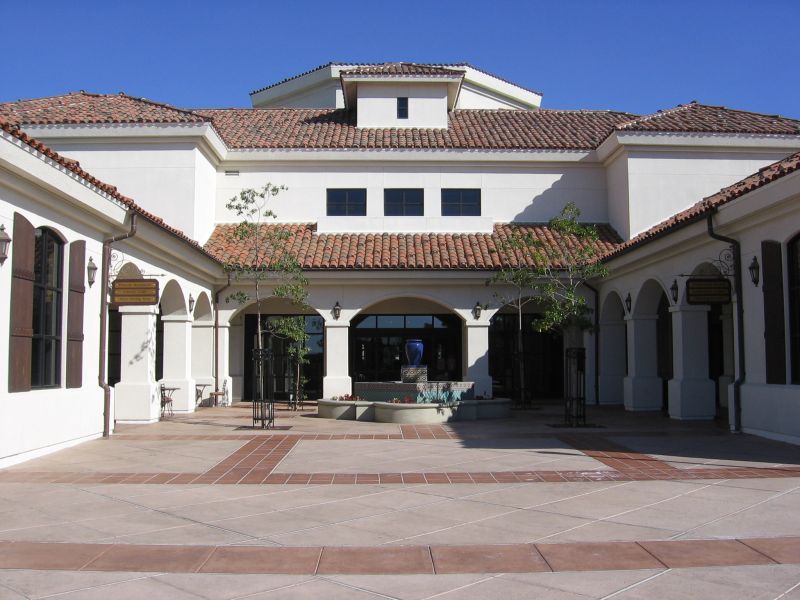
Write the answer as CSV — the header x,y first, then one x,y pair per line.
x,y
737,284
101,376
596,294
216,332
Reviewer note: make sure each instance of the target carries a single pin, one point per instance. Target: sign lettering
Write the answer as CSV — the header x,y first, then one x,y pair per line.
x,y
134,292
708,291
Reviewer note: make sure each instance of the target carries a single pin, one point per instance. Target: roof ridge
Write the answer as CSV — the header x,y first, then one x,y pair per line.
x,y
658,114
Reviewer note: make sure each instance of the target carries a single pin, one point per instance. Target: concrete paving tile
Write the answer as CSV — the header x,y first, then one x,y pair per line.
x,y
133,589
406,523
609,531
64,532
597,556
290,561
592,584
39,584
391,560
487,559
496,586
122,557
194,534
533,523
704,553
407,587
28,555
220,586
339,534
269,524
316,589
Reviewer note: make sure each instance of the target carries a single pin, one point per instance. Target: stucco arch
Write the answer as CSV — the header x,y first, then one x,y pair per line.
x,y
173,300
649,297
384,298
613,349
202,308
129,271
275,306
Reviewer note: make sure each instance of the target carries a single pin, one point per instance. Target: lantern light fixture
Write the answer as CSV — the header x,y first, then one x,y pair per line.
x,y
628,302
191,303
337,310
477,310
674,289
91,272
5,241
755,271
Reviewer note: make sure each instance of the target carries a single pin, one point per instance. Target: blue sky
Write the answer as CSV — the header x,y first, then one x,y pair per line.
x,y
637,56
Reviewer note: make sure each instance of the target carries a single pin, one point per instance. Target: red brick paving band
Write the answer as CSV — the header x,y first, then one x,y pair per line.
x,y
505,558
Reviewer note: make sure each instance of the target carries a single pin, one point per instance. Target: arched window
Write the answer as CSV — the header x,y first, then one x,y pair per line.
x,y
47,299
794,305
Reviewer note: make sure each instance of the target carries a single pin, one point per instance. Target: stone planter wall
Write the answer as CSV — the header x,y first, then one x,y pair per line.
x,y
414,414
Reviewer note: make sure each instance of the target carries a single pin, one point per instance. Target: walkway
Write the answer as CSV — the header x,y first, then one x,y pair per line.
x,y
202,506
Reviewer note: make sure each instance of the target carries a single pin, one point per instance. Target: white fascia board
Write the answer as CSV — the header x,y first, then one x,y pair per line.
x,y
407,276
202,134
762,204
410,155
667,141
32,166
527,98
310,80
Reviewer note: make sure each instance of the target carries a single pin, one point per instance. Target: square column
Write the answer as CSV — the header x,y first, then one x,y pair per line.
x,y
477,357
223,363
178,361
642,386
337,381
612,361
203,355
136,396
691,392
728,368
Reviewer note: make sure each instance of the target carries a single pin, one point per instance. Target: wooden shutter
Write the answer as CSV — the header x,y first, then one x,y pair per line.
x,y
77,264
22,275
774,326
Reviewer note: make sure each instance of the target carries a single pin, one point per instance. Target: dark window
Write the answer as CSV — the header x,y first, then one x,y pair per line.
x,y
347,203
47,290
794,306
402,108
403,203
461,203
772,287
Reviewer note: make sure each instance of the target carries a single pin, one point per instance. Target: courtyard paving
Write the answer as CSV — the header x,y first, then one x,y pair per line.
x,y
203,506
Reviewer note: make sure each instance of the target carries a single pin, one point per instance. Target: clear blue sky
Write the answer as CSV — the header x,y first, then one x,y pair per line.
x,y
637,56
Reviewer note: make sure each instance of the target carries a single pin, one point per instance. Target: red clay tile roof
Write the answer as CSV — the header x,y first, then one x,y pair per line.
x,y
402,69
82,107
702,118
277,128
764,176
408,251
75,167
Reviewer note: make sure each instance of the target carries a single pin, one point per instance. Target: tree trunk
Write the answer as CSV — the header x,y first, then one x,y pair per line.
x,y
520,359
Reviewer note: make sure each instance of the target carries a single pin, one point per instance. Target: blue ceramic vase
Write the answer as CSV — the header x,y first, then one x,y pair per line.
x,y
414,352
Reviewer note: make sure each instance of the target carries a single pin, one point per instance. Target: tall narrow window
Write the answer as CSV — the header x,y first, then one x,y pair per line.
x,y
461,203
403,203
794,306
47,292
772,287
347,203
402,108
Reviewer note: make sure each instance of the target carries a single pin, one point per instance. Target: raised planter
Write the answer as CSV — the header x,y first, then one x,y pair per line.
x,y
360,410
412,414
494,408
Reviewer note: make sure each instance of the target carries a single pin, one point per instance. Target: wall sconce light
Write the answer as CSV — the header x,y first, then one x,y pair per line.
x,y
91,272
191,303
477,310
5,241
337,310
755,271
674,289
628,302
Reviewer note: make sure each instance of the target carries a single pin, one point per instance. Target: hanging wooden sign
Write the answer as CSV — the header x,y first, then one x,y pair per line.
x,y
716,290
134,292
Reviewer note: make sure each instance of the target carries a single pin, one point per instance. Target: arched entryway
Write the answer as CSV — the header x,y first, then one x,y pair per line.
x,y
613,350
379,332
543,356
203,347
649,349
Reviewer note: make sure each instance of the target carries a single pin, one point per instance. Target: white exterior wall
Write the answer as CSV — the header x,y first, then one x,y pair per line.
x,y
472,96
618,195
44,420
521,193
377,105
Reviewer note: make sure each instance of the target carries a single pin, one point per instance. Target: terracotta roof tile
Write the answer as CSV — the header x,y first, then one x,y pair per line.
x,y
402,69
694,213
414,251
279,128
82,107
702,118
75,167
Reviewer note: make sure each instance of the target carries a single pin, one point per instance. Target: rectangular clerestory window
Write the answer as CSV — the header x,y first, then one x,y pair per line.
x,y
403,203
402,108
347,202
461,203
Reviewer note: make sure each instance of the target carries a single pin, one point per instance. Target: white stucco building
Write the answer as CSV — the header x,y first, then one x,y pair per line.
x,y
402,181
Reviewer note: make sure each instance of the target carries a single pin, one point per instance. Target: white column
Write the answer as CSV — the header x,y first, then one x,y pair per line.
x,y
477,357
203,355
136,396
178,361
691,392
612,361
728,368
642,386
337,381
223,364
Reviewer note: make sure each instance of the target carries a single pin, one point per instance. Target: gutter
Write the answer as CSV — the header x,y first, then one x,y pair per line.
x,y
737,284
216,332
101,375
596,294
